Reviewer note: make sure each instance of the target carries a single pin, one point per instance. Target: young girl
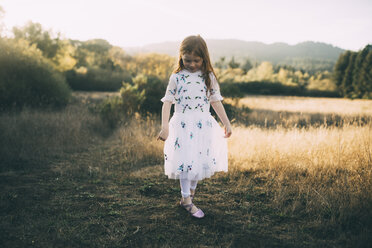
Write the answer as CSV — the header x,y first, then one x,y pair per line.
x,y
195,146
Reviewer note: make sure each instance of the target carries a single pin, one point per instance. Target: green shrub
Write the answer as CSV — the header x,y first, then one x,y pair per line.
x,y
142,96
28,79
270,88
96,79
231,90
154,89
111,111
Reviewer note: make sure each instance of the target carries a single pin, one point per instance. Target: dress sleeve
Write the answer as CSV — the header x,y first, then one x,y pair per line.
x,y
170,93
215,90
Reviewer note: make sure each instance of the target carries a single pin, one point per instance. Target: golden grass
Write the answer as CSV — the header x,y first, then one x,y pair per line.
x,y
314,105
138,141
32,137
345,148
322,171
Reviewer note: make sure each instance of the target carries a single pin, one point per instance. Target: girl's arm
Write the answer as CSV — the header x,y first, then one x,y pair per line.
x,y
220,110
165,112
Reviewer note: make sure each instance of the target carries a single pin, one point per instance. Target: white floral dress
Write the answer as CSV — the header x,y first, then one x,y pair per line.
x,y
195,148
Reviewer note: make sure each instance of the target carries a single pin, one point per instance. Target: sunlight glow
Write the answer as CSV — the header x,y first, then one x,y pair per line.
x,y
346,24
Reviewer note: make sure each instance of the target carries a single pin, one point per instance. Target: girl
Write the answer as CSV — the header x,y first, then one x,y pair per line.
x,y
195,146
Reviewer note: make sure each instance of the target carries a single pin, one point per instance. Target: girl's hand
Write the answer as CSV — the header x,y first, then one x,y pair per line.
x,y
228,131
163,135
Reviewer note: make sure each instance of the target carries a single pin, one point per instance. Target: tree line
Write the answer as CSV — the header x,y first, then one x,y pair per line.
x,y
40,68
353,73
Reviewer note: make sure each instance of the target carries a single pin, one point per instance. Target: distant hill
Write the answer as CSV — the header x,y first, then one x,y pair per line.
x,y
306,55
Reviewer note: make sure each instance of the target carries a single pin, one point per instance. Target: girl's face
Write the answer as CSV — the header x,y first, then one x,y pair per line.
x,y
192,62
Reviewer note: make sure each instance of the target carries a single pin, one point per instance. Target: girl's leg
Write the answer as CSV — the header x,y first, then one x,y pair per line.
x,y
185,191
185,187
193,184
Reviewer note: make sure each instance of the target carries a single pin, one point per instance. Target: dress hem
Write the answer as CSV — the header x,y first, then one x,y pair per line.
x,y
177,176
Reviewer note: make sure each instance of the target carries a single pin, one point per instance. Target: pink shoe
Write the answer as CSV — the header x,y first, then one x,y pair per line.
x,y
198,214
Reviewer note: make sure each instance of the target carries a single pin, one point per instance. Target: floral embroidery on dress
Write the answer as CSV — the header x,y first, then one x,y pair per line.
x,y
180,168
173,92
199,124
176,144
183,124
191,135
179,90
178,100
183,77
206,99
184,107
201,107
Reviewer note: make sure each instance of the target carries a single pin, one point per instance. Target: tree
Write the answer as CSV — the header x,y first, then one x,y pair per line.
x,y
58,51
340,69
220,64
366,74
246,66
347,81
352,73
34,33
357,72
232,64
265,71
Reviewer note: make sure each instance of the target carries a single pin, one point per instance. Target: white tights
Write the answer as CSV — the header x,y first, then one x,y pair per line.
x,y
186,185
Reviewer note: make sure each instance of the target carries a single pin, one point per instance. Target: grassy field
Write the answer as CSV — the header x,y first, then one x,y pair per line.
x,y
299,175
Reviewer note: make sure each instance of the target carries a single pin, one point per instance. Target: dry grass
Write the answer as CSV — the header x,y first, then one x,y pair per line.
x,y
317,105
286,186
318,171
289,112
32,137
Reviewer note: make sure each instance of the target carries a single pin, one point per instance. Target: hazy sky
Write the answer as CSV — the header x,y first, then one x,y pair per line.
x,y
343,23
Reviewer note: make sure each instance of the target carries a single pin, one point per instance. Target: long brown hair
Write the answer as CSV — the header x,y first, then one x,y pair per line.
x,y
196,45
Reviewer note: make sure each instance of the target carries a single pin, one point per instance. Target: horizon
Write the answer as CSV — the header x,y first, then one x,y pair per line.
x,y
140,23
226,39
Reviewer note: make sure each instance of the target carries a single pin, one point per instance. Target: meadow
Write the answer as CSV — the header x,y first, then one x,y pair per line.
x,y
299,175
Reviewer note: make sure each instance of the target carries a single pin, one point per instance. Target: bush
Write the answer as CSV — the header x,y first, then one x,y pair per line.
x,y
111,111
231,90
96,79
154,89
270,88
142,96
28,79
